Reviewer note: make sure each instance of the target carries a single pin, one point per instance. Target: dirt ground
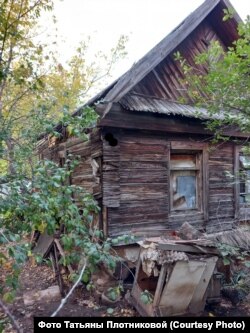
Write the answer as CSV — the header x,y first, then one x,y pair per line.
x,y
82,303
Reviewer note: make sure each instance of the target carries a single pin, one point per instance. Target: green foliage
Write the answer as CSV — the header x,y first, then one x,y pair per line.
x,y
247,264
37,93
220,81
90,286
110,311
114,293
228,14
230,253
146,297
45,204
86,276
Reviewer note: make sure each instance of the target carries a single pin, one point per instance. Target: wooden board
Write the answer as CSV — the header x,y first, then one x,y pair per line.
x,y
44,245
188,248
180,287
198,301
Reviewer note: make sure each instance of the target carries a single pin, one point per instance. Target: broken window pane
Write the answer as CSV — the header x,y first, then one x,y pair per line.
x,y
184,189
244,180
245,161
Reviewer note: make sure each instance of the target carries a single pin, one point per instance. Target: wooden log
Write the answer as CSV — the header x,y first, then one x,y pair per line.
x,y
47,295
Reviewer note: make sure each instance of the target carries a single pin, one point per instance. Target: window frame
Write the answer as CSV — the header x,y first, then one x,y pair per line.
x,y
196,171
244,179
199,149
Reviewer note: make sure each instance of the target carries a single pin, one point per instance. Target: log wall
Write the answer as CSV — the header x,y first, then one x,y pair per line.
x,y
221,203
89,154
131,180
136,185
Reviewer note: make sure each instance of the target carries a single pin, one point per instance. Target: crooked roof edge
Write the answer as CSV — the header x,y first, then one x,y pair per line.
x,y
141,68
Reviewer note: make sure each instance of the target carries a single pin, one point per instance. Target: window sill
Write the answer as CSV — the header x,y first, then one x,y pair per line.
x,y
185,212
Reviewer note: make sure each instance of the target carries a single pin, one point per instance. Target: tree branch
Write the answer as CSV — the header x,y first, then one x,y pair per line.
x,y
8,313
21,15
64,300
5,32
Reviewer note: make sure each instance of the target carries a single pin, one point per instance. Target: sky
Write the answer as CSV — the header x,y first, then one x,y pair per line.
x,y
145,22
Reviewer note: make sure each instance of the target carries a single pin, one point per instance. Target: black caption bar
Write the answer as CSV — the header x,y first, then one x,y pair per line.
x,y
210,324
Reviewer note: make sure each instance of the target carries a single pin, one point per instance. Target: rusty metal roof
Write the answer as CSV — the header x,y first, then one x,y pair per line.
x,y
162,106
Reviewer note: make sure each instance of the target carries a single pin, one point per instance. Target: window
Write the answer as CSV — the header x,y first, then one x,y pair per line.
x,y
244,179
185,180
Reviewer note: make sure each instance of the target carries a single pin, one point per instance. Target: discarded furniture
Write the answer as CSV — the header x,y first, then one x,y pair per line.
x,y
176,275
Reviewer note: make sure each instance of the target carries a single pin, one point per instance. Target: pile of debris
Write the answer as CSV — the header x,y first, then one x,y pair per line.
x,y
180,272
179,275
49,246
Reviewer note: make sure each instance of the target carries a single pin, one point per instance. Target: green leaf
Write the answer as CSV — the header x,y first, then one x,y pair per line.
x,y
226,261
90,286
86,276
144,299
9,297
247,264
106,247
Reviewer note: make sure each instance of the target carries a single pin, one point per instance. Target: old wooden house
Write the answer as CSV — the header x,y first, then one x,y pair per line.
x,y
150,161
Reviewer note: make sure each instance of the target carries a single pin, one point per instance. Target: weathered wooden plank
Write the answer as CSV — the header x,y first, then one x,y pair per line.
x,y
79,144
140,230
139,217
95,135
220,204
111,176
226,197
216,191
141,156
187,248
216,225
146,137
144,165
236,181
154,122
44,244
142,191
142,147
220,185
188,145
143,176
187,212
221,211
184,274
244,213
199,296
73,141
205,182
131,208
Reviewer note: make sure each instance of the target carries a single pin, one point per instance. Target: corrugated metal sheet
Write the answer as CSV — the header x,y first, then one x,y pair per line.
x,y
162,106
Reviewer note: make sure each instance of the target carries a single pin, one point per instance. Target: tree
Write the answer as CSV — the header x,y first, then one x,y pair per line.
x,y
36,92
223,88
20,60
